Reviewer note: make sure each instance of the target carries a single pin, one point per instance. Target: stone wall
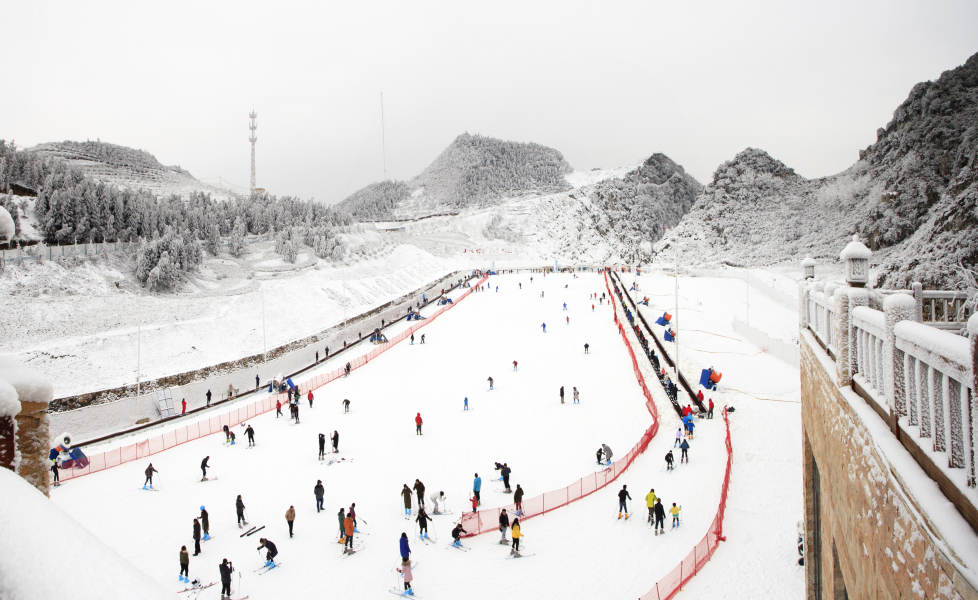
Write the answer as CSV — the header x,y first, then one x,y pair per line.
x,y
869,539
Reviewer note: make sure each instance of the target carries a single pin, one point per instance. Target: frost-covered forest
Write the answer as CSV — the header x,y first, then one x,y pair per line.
x,y
473,170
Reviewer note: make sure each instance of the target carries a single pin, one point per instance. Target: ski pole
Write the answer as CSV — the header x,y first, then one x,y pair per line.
x,y
161,480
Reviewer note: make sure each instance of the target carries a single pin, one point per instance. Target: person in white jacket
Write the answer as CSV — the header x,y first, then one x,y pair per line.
x,y
437,498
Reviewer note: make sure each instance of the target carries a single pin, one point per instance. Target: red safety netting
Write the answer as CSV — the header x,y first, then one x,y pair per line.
x,y
673,583
482,521
199,429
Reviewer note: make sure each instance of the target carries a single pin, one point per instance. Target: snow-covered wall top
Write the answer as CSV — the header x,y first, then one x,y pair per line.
x,y
9,404
34,527
30,384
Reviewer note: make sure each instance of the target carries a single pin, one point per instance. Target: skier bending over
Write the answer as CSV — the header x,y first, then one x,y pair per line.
x,y
149,476
622,496
607,453
437,498
599,453
227,435
271,553
422,520
346,406
203,467
457,535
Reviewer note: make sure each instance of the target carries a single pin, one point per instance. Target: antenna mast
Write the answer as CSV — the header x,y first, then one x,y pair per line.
x,y
253,138
383,133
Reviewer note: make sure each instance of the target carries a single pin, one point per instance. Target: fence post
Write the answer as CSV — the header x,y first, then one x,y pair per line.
x,y
680,575
696,564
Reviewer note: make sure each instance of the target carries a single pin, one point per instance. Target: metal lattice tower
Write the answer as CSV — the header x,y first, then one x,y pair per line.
x,y
254,138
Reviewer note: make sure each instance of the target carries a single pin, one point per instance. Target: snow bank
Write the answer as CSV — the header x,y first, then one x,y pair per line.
x,y
34,532
7,228
30,384
9,404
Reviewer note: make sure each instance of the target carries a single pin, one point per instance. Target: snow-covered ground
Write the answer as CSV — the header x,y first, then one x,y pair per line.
x,y
581,550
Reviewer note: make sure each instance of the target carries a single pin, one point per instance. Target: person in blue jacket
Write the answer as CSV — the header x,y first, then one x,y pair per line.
x,y
689,427
477,487
544,327
684,447
405,548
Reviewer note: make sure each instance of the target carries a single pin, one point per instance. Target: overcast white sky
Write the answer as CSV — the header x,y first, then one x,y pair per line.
x,y
606,83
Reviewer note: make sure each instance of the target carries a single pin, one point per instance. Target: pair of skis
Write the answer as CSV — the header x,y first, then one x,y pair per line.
x,y
263,569
251,531
197,588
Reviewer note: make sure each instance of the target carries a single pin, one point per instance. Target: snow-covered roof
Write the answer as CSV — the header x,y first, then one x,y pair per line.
x,y
37,531
855,249
808,262
30,384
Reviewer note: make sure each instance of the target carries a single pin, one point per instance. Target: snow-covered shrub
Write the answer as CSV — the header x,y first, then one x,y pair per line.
x,y
180,256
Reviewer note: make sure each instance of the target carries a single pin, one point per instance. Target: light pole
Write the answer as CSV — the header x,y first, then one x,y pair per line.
x,y
139,335
676,336
264,335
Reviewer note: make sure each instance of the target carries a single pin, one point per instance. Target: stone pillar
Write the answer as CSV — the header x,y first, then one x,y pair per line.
x,y
918,296
896,308
804,289
843,331
9,408
35,392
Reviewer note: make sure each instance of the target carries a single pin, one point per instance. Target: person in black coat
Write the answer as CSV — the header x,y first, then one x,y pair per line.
x,y
272,551
660,517
622,505
503,525
196,537
319,491
203,466
322,445
505,471
226,569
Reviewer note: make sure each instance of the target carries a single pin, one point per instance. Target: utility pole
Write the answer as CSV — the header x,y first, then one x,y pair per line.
x,y
264,336
383,134
253,138
139,335
676,336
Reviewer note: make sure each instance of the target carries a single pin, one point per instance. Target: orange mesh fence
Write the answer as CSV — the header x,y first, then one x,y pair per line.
x,y
199,429
485,520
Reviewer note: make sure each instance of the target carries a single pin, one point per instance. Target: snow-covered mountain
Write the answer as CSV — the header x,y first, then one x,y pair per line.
x,y
911,197
129,168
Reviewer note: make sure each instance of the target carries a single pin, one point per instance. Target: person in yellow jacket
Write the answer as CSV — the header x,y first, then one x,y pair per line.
x,y
674,511
515,551
650,503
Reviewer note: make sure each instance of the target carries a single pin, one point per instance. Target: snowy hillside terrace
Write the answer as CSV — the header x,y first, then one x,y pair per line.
x,y
918,378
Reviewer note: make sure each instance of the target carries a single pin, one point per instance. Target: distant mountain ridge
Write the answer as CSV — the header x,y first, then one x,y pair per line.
x,y
473,171
911,197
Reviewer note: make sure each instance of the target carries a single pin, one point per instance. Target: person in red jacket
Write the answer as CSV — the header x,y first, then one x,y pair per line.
x,y
310,398
278,408
709,414
184,402
699,395
418,422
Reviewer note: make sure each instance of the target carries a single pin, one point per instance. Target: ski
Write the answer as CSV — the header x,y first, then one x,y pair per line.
x,y
439,514
403,594
197,587
462,548
208,479
150,489
352,551
504,542
256,530
249,531
519,555
275,565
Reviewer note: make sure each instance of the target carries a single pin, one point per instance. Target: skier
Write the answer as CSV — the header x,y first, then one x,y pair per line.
x,y
674,511
691,426
607,453
406,494
184,565
477,487
518,500
205,522
227,434
319,491
295,406
352,514
184,402
565,306
650,503
544,325
418,422
341,517
346,406
419,490
457,534
599,453
709,414
271,553
257,382
679,437
515,551
437,498
251,436
503,525
622,496
422,520
475,504
231,433
465,405
586,346
561,394
196,537
348,367
322,446
149,476
336,441
310,398
568,320
226,569
405,570
577,396
57,478
278,408
514,365
348,529
208,394
669,461
412,339
239,507
505,471
422,338
405,548
203,467
490,383
592,308
289,518
684,457
660,517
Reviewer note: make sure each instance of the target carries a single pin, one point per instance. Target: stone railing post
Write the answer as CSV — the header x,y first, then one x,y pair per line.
x,y
804,289
918,296
896,308
35,392
9,408
843,330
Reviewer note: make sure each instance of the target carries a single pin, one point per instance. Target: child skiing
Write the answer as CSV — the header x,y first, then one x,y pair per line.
x,y
457,535
674,511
